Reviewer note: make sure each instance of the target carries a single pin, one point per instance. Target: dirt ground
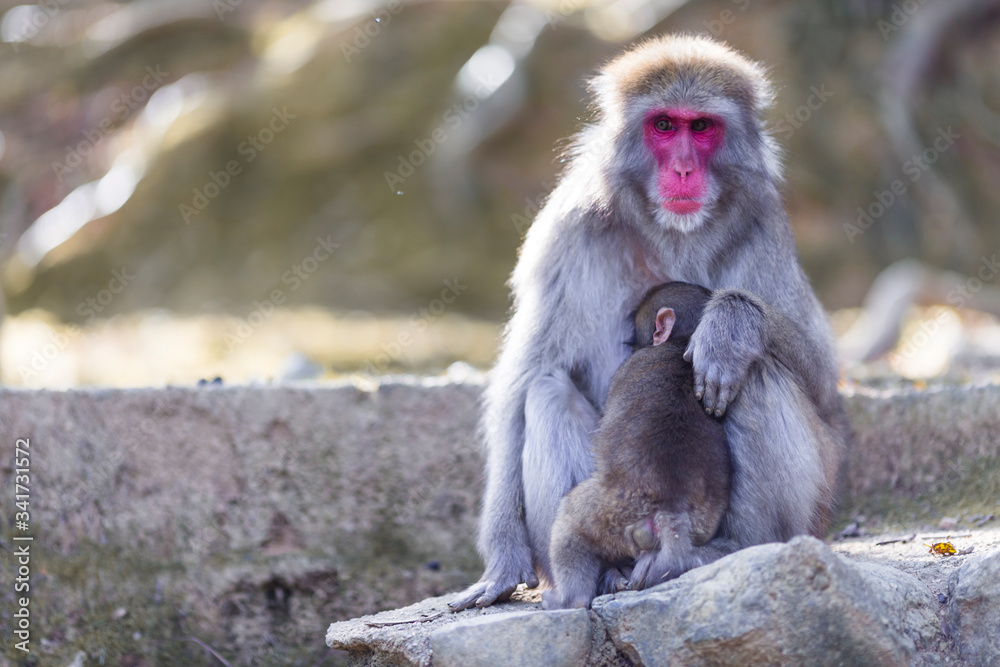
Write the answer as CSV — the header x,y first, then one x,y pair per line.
x,y
906,551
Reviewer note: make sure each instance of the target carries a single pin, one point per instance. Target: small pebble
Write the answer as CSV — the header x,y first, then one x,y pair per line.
x,y
851,530
948,523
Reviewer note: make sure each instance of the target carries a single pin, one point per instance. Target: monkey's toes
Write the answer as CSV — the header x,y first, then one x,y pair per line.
x,y
468,597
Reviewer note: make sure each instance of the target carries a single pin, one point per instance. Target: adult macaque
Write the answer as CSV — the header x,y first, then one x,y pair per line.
x,y
677,180
661,482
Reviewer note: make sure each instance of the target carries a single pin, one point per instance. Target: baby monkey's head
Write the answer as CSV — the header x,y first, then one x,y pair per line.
x,y
670,311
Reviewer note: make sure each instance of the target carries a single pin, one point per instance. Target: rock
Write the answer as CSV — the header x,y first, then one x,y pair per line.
x,y
974,610
789,604
403,636
947,523
775,604
298,366
911,444
517,639
249,517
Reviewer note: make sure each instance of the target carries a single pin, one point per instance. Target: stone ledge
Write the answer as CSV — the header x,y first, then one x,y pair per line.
x,y
252,517
794,604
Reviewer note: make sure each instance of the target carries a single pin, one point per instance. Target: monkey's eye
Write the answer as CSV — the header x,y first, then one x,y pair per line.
x,y
701,125
663,125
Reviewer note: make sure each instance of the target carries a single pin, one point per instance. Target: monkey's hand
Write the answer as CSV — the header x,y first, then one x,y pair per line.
x,y
729,338
491,589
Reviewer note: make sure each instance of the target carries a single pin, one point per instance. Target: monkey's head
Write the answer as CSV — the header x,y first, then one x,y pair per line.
x,y
684,115
670,311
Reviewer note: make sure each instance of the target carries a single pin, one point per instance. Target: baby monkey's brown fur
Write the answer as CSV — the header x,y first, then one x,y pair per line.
x,y
661,483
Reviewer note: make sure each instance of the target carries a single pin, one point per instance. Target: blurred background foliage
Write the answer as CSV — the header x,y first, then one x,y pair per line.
x,y
257,189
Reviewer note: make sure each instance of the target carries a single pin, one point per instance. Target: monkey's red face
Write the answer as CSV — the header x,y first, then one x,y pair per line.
x,y
682,141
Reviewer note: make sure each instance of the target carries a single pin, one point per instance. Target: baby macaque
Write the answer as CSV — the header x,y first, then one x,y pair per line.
x,y
660,487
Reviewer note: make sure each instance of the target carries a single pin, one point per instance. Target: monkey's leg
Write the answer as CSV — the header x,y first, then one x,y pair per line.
x,y
784,454
674,553
578,569
576,563
559,423
779,488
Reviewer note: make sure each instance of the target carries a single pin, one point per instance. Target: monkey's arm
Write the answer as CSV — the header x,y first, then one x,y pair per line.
x,y
739,328
537,421
763,305
503,537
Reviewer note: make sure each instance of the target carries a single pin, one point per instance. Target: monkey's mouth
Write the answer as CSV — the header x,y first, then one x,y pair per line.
x,y
681,205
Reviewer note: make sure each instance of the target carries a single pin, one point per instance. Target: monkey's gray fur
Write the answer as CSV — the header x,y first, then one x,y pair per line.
x,y
763,352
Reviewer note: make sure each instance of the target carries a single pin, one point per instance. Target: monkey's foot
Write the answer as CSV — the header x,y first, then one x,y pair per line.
x,y
487,591
613,580
551,599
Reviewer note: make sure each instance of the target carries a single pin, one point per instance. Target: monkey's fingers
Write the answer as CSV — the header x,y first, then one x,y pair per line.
x,y
699,385
712,390
726,396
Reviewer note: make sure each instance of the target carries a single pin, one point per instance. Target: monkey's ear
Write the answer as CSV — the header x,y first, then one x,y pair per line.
x,y
665,319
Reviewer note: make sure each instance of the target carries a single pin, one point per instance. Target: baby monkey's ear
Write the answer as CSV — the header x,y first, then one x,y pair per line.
x,y
665,319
